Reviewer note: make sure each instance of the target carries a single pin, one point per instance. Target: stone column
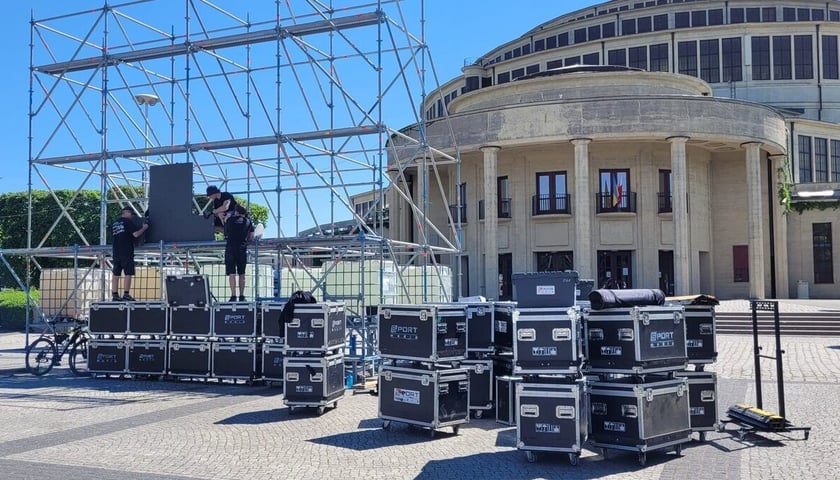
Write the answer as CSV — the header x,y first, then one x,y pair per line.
x,y
780,233
491,223
755,222
583,210
679,207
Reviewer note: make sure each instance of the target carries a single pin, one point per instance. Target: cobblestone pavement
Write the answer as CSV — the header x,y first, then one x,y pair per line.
x,y
60,426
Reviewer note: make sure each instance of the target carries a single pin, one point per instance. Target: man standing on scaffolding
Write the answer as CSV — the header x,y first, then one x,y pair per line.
x,y
124,231
239,231
223,206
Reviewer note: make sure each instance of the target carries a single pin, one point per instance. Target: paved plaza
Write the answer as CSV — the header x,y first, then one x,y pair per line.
x,y
60,426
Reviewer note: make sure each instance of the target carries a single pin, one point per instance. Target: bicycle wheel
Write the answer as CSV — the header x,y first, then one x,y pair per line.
x,y
40,355
78,356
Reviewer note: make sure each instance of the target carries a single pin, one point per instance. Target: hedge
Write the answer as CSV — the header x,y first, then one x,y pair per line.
x,y
13,308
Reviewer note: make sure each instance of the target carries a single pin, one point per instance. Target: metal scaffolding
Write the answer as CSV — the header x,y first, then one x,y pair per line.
x,y
287,106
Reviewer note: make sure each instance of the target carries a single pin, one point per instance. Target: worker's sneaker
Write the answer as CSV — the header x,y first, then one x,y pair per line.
x,y
242,298
128,298
116,298
232,298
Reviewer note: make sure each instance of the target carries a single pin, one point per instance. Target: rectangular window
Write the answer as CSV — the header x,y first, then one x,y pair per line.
x,y
804,54
592,59
687,58
817,15
665,191
608,30
781,58
740,263
551,194
526,49
503,195
637,57
554,261
615,194
660,22
539,45
716,16
628,27
805,169
517,72
659,58
532,69
617,57
551,42
821,160
732,60
563,39
644,25
508,55
698,18
789,14
768,14
503,78
823,253
761,58
834,15
580,35
829,44
736,15
803,14
571,61
710,61
517,52
594,32
835,160
753,15
460,214
682,20
551,64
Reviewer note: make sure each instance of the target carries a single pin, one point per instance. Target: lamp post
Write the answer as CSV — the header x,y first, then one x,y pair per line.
x,y
146,99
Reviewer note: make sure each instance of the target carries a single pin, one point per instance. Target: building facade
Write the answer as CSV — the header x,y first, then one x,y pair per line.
x,y
692,146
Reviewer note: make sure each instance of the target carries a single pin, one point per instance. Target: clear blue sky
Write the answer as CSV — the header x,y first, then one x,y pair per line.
x,y
455,30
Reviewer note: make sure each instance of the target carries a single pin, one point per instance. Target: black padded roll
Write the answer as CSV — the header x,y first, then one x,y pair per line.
x,y
604,298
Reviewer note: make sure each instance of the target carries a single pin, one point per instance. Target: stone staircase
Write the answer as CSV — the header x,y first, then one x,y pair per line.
x,y
825,324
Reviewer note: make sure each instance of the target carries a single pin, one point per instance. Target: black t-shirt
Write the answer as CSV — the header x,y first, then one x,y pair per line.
x,y
122,231
219,201
237,229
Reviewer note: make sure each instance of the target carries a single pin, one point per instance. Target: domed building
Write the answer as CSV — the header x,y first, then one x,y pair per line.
x,y
691,146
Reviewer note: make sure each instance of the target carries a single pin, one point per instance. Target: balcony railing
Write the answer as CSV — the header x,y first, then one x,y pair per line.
x,y
458,212
665,202
606,203
550,204
504,210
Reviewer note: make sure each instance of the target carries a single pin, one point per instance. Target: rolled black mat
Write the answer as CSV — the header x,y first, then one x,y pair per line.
x,y
604,298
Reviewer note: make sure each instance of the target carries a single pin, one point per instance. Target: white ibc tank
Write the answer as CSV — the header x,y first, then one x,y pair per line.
x,y
345,278
426,284
147,281
220,287
294,279
68,291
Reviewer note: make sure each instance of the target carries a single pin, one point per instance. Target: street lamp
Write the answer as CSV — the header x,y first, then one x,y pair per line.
x,y
146,99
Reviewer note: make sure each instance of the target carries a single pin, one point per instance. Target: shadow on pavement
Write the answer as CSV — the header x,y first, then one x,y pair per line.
x,y
257,418
377,437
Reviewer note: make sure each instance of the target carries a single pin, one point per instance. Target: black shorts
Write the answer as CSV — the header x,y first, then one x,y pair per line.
x,y
123,264
235,262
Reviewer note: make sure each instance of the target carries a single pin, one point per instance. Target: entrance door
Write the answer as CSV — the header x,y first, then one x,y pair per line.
x,y
666,271
615,269
505,276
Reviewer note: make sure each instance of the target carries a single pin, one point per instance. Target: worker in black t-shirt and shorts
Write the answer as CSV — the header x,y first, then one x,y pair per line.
x,y
124,231
223,206
239,231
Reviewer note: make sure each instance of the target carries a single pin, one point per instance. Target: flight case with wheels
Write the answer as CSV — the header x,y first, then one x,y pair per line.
x,y
636,340
189,358
147,357
504,316
481,385
702,401
108,318
431,398
234,360
148,318
316,327
628,414
106,356
547,341
552,417
423,333
313,381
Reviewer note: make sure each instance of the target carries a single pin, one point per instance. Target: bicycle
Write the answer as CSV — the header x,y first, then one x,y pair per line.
x,y
62,335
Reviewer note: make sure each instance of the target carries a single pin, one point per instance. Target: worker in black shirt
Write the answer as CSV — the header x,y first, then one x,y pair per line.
x,y
223,205
238,232
124,231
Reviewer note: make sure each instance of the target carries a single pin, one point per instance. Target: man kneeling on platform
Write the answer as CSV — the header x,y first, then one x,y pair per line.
x,y
124,231
239,231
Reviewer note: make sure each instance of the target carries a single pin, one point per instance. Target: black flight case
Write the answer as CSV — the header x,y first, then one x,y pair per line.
x,y
552,416
702,401
547,341
313,381
423,333
316,328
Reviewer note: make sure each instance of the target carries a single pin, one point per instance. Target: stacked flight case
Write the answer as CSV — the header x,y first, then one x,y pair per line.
x,y
480,347
313,362
638,403
700,332
547,355
422,381
190,326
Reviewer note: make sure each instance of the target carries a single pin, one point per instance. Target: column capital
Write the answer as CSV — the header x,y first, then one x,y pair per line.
x,y
678,139
747,145
580,141
489,148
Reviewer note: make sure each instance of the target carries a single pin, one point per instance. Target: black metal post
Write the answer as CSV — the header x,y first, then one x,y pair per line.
x,y
780,380
756,355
